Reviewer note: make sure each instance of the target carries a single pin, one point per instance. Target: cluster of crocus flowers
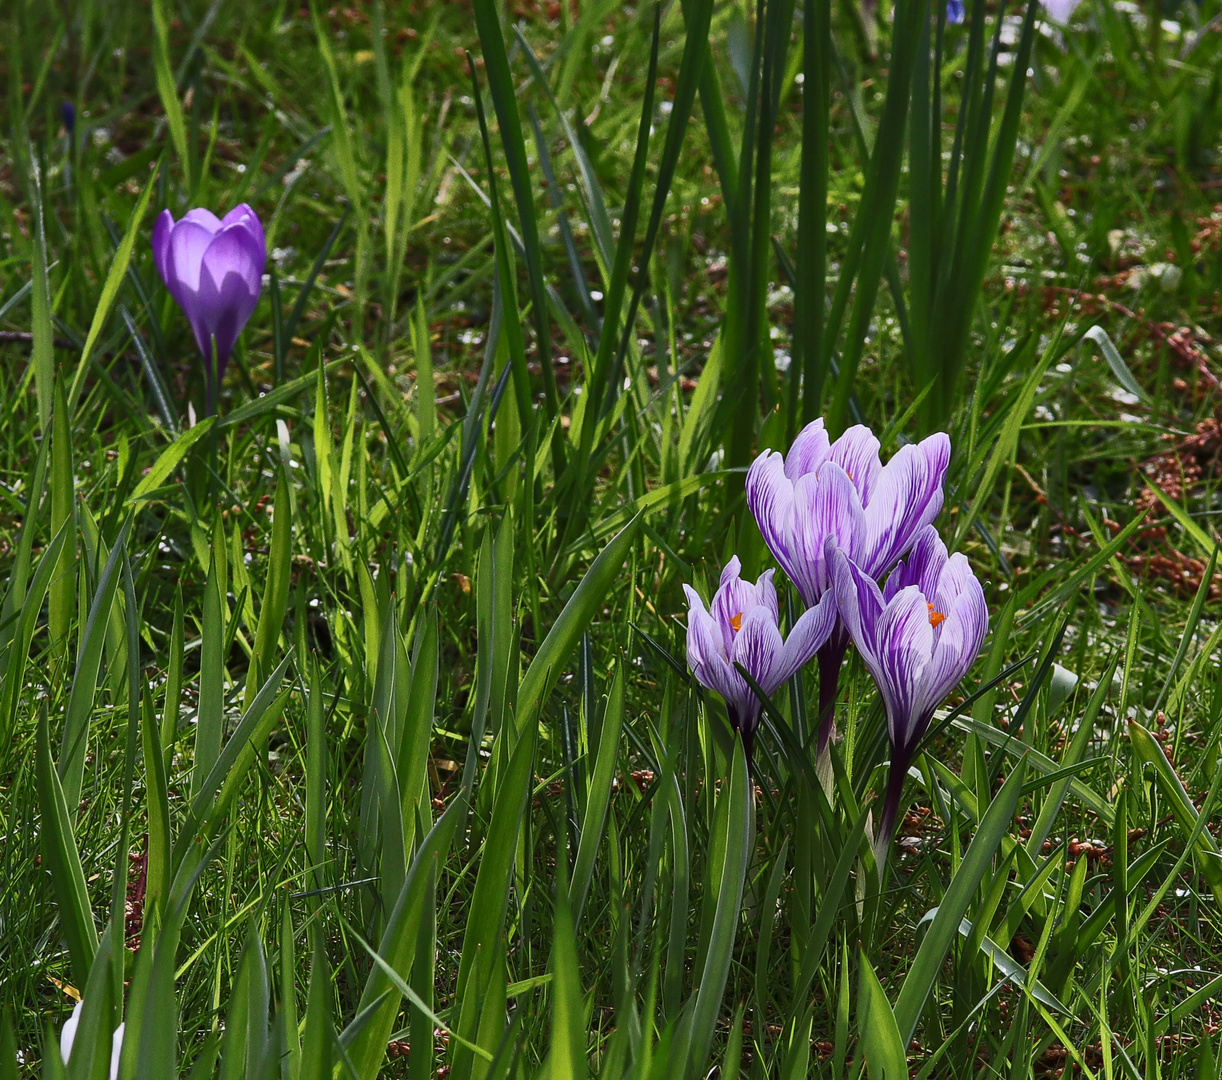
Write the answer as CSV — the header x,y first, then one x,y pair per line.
x,y
839,522
213,267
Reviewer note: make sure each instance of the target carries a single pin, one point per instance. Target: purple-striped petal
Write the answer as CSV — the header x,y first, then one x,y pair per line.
x,y
922,568
807,636
907,497
828,506
703,640
959,637
859,600
758,648
856,452
809,450
770,497
904,639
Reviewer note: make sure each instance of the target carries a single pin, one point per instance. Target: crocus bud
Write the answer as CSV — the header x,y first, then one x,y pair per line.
x,y
214,269
740,627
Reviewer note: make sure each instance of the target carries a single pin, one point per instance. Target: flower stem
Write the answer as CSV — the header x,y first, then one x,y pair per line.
x,y
896,776
830,657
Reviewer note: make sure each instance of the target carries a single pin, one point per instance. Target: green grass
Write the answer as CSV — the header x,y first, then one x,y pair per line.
x,y
452,649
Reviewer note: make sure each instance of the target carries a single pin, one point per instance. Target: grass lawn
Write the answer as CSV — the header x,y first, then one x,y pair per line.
x,y
348,724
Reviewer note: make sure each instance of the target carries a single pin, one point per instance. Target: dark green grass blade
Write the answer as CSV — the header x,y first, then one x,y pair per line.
x,y
500,86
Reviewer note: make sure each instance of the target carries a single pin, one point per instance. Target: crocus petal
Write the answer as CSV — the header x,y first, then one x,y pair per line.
x,y
765,595
718,674
206,219
733,597
162,227
770,498
758,648
188,242
828,506
809,450
807,636
904,641
230,282
922,568
859,600
68,1035
856,452
907,497
703,638
1059,11
956,11
959,639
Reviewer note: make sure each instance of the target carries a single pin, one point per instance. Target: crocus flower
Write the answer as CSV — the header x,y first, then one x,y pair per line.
x,y
740,627
68,1036
956,11
917,637
1059,11
841,490
214,269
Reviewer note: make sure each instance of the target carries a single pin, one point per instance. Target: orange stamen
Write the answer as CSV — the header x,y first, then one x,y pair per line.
x,y
736,622
935,617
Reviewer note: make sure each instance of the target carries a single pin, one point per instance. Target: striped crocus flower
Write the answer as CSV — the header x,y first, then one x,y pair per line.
x,y
917,637
841,491
740,627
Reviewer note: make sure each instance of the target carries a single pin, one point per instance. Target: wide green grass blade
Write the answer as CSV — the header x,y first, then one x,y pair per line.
x,y
1148,750
872,227
994,827
877,1027
546,667
210,711
729,879
42,356
319,1035
274,604
63,860
110,289
598,799
75,741
168,460
366,1048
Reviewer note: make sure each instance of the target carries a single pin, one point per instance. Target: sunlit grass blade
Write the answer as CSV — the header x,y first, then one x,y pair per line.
x,y
110,288
63,860
566,631
994,826
75,740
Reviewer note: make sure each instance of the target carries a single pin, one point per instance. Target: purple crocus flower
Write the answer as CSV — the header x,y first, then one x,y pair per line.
x,y
918,637
741,627
841,490
956,11
214,269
